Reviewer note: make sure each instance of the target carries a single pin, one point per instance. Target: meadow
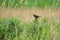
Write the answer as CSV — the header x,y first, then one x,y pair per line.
x,y
30,3
16,29
12,28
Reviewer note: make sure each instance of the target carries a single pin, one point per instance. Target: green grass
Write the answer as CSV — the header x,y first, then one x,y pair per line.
x,y
30,3
43,29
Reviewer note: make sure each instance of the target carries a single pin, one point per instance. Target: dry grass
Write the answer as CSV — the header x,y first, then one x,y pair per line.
x,y
27,14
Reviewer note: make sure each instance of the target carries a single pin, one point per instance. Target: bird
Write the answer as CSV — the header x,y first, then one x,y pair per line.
x,y
36,16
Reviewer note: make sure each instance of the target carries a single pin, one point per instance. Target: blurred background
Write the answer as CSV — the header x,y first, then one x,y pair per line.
x,y
18,23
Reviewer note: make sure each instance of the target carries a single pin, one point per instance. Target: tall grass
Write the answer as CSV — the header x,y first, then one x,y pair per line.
x,y
30,3
15,29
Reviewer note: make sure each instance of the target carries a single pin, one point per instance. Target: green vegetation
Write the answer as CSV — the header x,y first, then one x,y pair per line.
x,y
30,3
43,29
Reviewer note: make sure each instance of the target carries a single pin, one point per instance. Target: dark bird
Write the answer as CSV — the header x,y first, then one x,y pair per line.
x,y
36,16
